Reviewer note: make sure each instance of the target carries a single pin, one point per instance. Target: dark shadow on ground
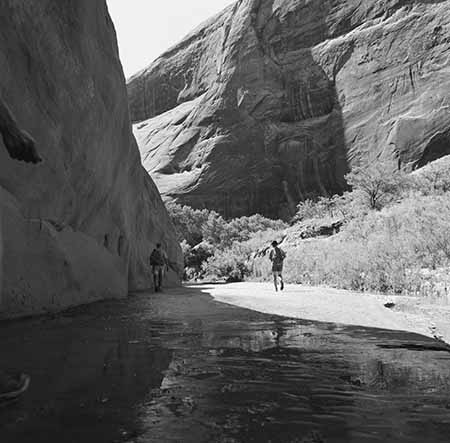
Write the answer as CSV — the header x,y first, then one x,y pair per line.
x,y
179,366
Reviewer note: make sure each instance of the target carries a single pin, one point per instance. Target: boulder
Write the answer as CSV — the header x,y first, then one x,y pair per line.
x,y
313,228
79,226
273,101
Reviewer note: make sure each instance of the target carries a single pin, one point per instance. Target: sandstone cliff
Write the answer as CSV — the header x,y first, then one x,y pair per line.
x,y
274,100
80,226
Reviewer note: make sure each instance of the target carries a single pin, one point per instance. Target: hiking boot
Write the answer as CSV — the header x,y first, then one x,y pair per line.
x,y
13,386
281,286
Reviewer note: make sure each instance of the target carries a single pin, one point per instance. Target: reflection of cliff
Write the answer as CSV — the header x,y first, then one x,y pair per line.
x,y
79,226
376,368
270,102
162,369
276,379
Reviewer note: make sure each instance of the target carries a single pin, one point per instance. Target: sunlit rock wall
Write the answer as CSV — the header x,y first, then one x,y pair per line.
x,y
273,101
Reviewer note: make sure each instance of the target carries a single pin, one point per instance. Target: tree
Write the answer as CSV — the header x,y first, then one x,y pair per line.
x,y
213,229
188,222
378,182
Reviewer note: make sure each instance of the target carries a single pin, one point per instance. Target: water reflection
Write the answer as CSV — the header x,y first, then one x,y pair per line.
x,y
156,371
276,381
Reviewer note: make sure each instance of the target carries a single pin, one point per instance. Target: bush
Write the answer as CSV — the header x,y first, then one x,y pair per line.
x,y
433,179
224,234
194,257
385,251
378,183
204,233
343,207
394,236
309,209
230,264
236,262
196,226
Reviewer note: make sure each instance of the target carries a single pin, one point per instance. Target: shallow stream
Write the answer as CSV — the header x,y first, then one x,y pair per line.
x,y
180,367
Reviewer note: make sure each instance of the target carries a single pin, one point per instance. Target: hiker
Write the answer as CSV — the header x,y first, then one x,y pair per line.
x,y
20,146
159,264
277,257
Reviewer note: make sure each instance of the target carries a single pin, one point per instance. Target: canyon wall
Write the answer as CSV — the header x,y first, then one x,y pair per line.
x,y
273,101
79,226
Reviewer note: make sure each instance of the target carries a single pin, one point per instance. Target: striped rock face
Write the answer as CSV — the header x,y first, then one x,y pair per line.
x,y
273,101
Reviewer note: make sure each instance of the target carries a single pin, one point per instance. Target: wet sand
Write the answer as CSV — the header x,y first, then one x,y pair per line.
x,y
181,367
321,304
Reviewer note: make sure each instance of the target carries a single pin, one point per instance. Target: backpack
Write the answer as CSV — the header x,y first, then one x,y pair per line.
x,y
279,256
157,258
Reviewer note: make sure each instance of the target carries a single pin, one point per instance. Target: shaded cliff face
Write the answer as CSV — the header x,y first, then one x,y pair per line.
x,y
273,101
81,225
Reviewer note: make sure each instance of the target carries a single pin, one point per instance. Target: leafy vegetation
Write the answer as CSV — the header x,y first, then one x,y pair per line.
x,y
377,183
345,207
214,246
385,251
394,236
236,262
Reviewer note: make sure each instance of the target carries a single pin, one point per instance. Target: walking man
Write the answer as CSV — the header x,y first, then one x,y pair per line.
x,y
158,262
277,256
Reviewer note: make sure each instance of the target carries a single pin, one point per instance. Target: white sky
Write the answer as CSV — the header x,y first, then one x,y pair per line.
x,y
146,28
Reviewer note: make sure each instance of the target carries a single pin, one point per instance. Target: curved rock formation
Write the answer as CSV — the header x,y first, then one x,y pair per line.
x,y
272,101
81,225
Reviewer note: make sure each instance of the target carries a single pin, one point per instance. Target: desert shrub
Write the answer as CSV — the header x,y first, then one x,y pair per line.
x,y
230,264
307,210
385,251
432,179
394,236
373,187
194,257
344,207
322,207
378,183
237,262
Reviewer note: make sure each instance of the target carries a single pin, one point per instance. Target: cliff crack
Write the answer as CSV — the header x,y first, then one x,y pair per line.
x,y
226,35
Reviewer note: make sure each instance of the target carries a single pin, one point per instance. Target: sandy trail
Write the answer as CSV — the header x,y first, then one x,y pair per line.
x,y
321,304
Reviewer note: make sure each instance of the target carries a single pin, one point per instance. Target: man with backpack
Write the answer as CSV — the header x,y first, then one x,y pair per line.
x,y
158,262
277,256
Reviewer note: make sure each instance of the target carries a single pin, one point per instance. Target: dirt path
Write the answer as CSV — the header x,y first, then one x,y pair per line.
x,y
328,305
